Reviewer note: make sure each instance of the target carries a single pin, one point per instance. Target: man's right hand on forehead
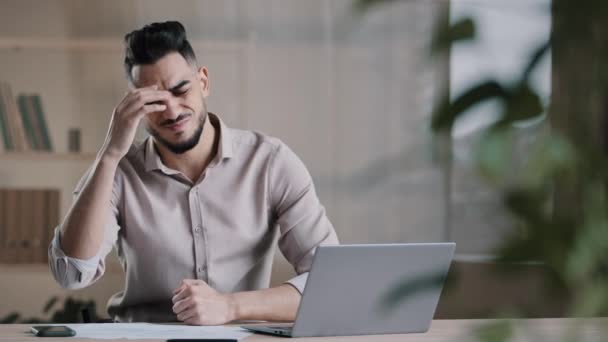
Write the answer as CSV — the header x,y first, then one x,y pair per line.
x,y
126,117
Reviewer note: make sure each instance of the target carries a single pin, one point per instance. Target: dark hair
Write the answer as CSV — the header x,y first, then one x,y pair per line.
x,y
154,41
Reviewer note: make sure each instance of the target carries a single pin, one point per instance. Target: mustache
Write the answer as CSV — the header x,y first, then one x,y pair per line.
x,y
170,122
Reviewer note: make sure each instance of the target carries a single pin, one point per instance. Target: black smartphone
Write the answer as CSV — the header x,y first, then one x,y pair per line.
x,y
52,331
202,340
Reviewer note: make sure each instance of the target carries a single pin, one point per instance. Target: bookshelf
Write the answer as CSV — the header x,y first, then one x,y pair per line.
x,y
85,80
75,95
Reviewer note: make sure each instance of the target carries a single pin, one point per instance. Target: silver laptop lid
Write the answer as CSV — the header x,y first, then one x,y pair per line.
x,y
350,287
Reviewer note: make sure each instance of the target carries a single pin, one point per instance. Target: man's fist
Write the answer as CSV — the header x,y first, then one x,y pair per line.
x,y
196,303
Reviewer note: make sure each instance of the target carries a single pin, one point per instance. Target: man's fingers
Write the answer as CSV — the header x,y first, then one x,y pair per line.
x,y
135,100
187,314
193,321
183,304
191,281
147,109
132,95
181,295
183,284
149,97
179,289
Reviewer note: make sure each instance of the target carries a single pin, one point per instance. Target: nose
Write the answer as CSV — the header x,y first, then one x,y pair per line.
x,y
172,111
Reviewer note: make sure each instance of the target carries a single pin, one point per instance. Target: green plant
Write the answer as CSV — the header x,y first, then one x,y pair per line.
x,y
70,312
559,194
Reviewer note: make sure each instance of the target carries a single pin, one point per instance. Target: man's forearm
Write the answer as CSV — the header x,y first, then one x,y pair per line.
x,y
83,228
274,304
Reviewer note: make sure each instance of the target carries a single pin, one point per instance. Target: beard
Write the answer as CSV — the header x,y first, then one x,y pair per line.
x,y
184,146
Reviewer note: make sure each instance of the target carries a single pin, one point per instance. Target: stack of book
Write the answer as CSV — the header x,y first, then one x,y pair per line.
x,y
22,122
27,220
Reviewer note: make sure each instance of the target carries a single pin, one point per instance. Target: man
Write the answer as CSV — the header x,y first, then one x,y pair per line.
x,y
194,211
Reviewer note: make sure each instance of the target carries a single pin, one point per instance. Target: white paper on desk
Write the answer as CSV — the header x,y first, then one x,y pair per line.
x,y
155,331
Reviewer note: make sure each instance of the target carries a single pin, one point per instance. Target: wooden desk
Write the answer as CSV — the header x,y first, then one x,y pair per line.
x,y
553,329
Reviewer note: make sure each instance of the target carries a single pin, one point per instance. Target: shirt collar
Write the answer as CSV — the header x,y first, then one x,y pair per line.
x,y
153,162
224,148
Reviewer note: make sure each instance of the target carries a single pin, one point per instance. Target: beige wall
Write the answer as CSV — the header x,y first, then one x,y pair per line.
x,y
351,95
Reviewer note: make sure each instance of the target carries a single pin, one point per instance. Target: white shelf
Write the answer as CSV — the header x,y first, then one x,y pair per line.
x,y
98,44
46,156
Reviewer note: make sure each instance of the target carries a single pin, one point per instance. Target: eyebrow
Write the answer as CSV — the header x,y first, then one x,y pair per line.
x,y
178,86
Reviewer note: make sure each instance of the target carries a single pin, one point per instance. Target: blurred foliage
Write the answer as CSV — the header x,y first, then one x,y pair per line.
x,y
499,331
409,287
558,195
70,312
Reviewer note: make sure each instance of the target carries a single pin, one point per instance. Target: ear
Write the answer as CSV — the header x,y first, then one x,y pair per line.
x,y
203,77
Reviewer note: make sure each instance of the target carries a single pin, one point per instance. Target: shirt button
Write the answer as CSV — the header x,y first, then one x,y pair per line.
x,y
200,269
197,230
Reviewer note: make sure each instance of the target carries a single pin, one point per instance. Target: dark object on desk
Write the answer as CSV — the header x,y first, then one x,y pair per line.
x,y
52,331
203,340
70,312
86,314
89,316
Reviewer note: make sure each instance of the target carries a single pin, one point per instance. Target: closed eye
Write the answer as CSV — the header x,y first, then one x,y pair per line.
x,y
180,88
179,92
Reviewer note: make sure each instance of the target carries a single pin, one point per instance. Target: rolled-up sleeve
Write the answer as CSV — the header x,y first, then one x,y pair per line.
x,y
73,273
302,220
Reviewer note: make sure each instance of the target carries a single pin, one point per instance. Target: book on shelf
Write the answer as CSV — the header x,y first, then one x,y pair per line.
x,y
22,122
38,226
9,226
15,123
27,116
52,208
25,229
27,220
4,129
3,229
41,125
34,122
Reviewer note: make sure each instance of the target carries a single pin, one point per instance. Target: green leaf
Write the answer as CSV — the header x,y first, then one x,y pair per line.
x,y
592,300
49,304
462,30
535,59
526,203
500,331
10,318
446,113
494,155
552,155
522,103
364,5
588,257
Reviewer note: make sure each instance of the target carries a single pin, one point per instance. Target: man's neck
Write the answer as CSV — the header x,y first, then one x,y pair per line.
x,y
193,162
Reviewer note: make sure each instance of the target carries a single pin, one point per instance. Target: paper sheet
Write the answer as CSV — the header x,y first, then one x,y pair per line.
x,y
155,331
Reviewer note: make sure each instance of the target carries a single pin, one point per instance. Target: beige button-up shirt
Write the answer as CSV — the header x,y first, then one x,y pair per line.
x,y
222,229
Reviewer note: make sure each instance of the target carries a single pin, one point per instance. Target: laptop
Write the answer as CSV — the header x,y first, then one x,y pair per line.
x,y
355,290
